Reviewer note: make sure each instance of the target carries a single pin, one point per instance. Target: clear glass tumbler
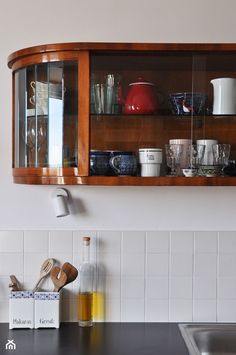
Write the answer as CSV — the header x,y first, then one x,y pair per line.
x,y
221,153
173,158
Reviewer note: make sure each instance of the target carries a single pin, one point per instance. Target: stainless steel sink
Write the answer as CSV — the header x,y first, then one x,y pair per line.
x,y
209,339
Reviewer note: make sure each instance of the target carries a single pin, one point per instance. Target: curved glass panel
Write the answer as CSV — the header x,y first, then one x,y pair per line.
x,y
46,110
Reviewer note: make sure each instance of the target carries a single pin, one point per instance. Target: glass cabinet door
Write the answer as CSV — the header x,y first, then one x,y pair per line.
x,y
46,115
149,99
142,112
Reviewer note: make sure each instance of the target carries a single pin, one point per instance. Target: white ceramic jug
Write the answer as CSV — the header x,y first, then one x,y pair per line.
x,y
224,98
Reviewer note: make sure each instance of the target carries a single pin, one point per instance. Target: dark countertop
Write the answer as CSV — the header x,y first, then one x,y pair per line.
x,y
101,339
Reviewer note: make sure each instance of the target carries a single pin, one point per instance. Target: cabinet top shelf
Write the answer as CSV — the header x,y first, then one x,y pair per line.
x,y
107,46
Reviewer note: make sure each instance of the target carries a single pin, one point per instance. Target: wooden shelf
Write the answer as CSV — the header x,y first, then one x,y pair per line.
x,y
69,176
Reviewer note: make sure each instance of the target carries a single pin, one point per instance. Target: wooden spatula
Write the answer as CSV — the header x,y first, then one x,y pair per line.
x,y
58,277
71,272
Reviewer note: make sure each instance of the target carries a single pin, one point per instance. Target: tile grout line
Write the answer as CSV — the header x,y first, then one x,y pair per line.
x,y
169,273
145,277
217,276
193,276
121,269
23,258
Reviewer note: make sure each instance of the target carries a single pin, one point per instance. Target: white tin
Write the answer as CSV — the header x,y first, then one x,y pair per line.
x,y
46,309
21,309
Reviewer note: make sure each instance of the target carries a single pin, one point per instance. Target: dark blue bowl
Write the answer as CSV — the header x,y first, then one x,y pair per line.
x,y
187,103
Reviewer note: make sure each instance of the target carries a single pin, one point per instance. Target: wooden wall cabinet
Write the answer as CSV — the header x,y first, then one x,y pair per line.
x,y
56,125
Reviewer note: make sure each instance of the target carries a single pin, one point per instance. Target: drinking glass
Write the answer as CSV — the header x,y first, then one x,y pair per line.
x,y
195,155
173,158
221,154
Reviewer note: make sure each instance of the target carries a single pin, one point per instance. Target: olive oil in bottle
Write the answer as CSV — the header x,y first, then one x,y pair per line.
x,y
86,279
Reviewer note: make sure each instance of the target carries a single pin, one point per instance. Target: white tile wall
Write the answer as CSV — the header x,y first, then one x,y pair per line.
x,y
153,276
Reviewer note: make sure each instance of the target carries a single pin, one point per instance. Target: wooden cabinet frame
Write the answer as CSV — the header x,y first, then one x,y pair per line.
x,y
81,52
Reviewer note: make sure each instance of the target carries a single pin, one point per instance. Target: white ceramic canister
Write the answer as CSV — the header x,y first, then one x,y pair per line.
x,y
150,160
208,155
224,96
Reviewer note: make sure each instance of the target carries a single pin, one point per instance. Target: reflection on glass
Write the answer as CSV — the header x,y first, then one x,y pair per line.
x,y
35,135
46,115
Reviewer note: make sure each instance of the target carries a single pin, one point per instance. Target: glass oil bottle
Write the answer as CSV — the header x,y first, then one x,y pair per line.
x,y
86,287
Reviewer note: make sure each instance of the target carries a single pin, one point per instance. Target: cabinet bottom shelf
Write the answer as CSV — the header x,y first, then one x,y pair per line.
x,y
73,179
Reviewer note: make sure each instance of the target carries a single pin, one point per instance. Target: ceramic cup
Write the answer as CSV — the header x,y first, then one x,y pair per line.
x,y
208,155
150,160
124,163
99,162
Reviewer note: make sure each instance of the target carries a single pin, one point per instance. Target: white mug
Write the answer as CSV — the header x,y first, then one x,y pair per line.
x,y
150,160
150,169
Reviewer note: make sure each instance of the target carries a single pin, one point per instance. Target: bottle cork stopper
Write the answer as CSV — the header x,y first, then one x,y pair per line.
x,y
86,240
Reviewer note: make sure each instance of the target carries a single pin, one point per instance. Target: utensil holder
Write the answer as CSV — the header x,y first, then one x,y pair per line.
x,y
46,310
21,309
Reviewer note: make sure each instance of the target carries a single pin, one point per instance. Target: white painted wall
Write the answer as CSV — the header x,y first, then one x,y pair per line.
x,y
27,23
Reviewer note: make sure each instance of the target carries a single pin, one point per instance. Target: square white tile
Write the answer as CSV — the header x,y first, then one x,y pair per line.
x,y
109,242
227,264
132,287
227,288
133,264
113,287
36,241
4,288
112,310
11,263
206,242
157,264
133,242
33,263
157,242
204,288
227,242
157,311
11,241
181,287
156,288
181,242
132,310
205,265
226,311
4,311
204,311
181,264
180,310
110,263
60,242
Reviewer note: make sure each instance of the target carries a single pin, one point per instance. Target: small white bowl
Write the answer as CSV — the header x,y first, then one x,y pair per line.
x,y
189,172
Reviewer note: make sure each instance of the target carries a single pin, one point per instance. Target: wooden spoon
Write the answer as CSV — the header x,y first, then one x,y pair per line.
x,y
44,271
58,277
14,285
71,272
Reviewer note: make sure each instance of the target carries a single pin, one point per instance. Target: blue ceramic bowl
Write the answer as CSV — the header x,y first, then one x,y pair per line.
x,y
187,103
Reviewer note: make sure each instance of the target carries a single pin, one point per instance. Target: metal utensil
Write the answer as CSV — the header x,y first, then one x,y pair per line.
x,y
14,285
58,277
71,272
44,271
